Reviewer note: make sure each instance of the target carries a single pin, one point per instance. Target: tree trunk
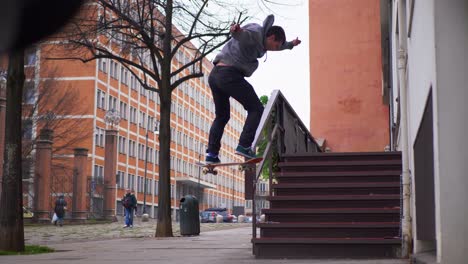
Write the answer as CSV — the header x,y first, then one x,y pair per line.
x,y
164,225
11,202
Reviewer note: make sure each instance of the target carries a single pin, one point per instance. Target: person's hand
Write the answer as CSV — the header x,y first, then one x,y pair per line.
x,y
296,41
235,28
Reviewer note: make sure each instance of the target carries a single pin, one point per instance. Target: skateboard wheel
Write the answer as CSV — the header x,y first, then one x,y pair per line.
x,y
205,171
215,172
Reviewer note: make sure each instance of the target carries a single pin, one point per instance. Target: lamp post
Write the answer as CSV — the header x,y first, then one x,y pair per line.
x,y
199,169
233,176
111,118
3,86
145,216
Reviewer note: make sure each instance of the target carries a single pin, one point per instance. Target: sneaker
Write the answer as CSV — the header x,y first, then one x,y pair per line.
x,y
131,226
212,160
125,226
246,152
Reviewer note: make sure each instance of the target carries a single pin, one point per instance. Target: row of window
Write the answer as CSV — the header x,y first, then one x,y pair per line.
x,y
130,147
129,182
185,87
213,200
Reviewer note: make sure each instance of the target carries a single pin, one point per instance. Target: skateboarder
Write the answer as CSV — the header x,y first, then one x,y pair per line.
x,y
238,59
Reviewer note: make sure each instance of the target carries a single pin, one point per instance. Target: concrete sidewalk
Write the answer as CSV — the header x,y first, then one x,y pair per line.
x,y
224,246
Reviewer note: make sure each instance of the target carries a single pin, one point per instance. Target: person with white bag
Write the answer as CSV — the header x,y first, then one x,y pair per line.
x,y
59,209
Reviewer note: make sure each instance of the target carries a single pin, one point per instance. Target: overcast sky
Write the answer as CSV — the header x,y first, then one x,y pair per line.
x,y
287,70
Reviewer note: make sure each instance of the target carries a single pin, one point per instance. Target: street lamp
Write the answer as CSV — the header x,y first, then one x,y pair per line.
x,y
233,178
199,169
144,214
112,117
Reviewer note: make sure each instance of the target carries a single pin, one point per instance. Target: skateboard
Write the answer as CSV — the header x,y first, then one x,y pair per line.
x,y
211,168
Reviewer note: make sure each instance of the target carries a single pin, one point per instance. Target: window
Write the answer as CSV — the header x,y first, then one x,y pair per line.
x,y
102,65
131,181
131,148
156,187
143,91
133,114
124,76
99,137
30,57
150,155
99,173
148,185
114,69
140,184
133,82
156,157
26,127
142,119
122,144
112,103
123,110
141,151
29,93
100,99
120,180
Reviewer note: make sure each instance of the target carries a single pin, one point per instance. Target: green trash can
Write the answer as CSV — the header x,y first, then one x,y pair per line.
x,y
189,216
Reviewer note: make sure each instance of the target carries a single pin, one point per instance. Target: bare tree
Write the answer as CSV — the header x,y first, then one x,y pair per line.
x,y
142,36
11,214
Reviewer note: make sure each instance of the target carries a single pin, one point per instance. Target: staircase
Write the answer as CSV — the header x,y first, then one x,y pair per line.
x,y
333,205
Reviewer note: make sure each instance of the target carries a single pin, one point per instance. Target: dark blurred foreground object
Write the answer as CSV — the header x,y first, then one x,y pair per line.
x,y
24,22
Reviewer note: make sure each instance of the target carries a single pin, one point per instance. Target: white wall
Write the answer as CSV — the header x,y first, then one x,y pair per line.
x,y
438,58
451,122
421,77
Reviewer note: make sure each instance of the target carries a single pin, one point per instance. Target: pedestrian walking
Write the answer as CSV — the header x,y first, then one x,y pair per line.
x,y
59,209
129,202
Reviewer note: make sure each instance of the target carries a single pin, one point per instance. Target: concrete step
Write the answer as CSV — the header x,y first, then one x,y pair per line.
x,y
346,188
332,214
334,201
330,230
338,176
326,247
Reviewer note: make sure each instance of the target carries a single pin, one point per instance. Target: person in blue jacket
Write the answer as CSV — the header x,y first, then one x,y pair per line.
x,y
239,59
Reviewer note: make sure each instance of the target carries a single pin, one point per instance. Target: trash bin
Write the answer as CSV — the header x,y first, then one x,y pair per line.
x,y
189,216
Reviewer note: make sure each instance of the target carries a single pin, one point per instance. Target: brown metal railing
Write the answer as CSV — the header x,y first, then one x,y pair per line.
x,y
281,132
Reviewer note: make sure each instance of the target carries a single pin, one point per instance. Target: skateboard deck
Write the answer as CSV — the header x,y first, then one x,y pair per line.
x,y
211,168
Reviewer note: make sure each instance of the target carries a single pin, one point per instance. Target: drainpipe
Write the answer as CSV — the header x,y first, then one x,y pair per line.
x,y
406,178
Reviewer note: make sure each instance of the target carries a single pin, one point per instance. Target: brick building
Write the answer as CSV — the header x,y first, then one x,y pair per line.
x,y
347,104
103,87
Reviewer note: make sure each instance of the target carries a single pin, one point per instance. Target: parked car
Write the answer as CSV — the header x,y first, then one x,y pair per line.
x,y
227,217
208,217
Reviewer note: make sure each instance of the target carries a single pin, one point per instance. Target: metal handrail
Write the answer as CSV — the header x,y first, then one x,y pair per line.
x,y
289,134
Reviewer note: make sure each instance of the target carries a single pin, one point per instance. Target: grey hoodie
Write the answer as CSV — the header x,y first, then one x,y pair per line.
x,y
246,46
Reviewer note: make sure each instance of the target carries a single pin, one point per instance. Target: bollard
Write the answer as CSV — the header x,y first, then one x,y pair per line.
x,y
240,219
219,218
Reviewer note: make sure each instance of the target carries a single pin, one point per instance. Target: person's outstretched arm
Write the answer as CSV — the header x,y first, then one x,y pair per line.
x,y
291,44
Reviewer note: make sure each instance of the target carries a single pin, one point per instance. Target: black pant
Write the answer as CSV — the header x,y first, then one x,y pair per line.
x,y
226,82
